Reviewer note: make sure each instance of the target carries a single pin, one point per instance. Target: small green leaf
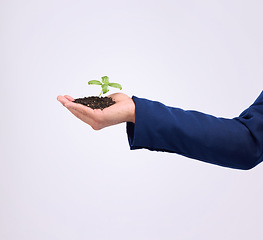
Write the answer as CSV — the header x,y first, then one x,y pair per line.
x,y
115,85
104,84
105,88
96,82
105,79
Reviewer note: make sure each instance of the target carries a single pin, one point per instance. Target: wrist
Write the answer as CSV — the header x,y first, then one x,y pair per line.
x,y
131,115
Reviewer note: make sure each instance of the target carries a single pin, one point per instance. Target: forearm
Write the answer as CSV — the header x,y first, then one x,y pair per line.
x,y
225,142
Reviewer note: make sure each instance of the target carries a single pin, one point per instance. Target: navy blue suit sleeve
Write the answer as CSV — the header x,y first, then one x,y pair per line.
x,y
235,143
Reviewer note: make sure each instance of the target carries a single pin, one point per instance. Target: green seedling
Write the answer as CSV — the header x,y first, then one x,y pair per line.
x,y
105,84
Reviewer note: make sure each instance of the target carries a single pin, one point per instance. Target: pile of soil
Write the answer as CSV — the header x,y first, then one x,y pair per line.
x,y
95,102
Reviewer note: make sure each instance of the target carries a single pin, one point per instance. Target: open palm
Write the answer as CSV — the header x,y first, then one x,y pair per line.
x,y
122,111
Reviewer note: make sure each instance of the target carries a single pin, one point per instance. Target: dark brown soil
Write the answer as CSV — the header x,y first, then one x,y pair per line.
x,y
95,102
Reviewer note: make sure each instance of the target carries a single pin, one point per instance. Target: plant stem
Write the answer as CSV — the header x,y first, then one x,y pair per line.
x,y
100,93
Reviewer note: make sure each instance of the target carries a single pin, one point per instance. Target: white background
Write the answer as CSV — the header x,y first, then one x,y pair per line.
x,y
59,179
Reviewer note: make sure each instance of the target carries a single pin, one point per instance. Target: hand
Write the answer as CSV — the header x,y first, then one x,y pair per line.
x,y
122,111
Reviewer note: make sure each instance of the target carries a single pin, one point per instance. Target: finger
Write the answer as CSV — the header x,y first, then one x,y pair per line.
x,y
81,116
117,97
69,98
62,100
79,107
113,96
78,114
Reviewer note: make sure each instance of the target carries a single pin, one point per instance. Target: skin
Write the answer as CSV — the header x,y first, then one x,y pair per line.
x,y
122,111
